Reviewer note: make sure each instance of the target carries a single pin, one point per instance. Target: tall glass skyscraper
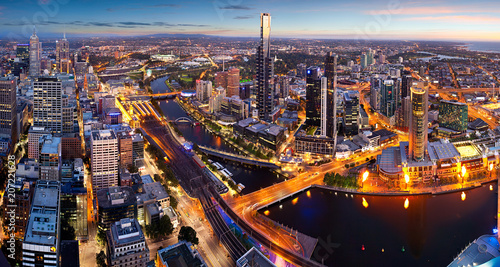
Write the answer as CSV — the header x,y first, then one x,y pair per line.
x,y
265,95
34,55
313,96
419,123
453,115
331,102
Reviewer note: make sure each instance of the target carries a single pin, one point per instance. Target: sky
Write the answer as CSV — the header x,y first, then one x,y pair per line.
x,y
454,20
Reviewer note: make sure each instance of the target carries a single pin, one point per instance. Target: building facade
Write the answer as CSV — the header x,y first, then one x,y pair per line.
x,y
127,244
453,115
265,96
418,120
104,159
8,108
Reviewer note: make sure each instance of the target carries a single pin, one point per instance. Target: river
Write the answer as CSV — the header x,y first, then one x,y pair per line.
x,y
430,232
252,178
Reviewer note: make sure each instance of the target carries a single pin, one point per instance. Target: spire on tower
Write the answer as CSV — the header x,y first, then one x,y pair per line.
x,y
34,30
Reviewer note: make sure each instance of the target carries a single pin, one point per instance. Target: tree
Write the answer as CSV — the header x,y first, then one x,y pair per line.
x,y
132,168
101,259
188,234
163,227
173,202
101,237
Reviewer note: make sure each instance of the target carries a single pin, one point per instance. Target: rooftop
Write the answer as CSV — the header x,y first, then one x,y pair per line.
x,y
442,150
103,135
51,146
125,231
114,196
254,258
181,254
43,221
482,250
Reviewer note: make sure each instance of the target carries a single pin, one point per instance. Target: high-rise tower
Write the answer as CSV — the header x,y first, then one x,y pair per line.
x,y
418,120
331,75
34,55
313,96
8,115
62,55
265,96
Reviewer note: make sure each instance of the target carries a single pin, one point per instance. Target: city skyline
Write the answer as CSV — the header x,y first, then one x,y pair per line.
x,y
424,20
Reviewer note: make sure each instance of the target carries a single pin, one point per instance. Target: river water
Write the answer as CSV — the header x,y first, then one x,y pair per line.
x,y
430,232
253,178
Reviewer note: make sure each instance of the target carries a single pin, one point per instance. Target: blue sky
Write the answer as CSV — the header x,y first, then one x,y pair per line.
x,y
364,19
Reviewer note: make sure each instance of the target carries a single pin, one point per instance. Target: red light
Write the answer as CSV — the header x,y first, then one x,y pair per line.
x,y
363,247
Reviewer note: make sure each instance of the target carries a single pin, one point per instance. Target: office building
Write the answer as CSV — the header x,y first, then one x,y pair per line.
x,y
418,121
23,196
125,149
127,244
34,135
42,237
453,115
63,60
215,100
8,108
331,104
254,257
351,113
50,158
152,203
203,90
74,205
233,82
406,82
301,70
221,79
51,108
313,96
387,98
403,114
180,254
35,47
137,147
324,106
114,204
103,159
23,52
265,72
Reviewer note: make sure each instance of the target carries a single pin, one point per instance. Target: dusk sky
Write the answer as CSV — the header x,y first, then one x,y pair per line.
x,y
388,19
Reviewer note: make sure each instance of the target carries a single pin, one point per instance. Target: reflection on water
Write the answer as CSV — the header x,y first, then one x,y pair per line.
x,y
414,231
253,178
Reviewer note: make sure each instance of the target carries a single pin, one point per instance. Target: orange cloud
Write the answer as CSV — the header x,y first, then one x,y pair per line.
x,y
460,19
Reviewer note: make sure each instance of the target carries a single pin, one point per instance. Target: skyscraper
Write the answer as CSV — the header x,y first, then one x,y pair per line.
x,y
104,159
8,105
62,55
48,103
453,115
23,52
203,90
42,238
351,113
313,96
331,75
233,82
388,100
418,118
34,55
265,96
324,105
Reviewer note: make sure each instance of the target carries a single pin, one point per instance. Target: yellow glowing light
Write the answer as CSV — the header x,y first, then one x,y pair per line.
x,y
365,203
464,170
295,200
407,203
491,188
266,212
365,176
407,178
463,196
491,166
308,194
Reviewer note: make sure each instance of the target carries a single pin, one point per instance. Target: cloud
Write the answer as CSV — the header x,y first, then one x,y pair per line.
x,y
236,7
243,17
459,19
131,23
166,5
100,24
431,10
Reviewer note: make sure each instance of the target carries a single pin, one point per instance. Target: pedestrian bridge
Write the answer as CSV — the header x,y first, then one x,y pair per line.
x,y
237,158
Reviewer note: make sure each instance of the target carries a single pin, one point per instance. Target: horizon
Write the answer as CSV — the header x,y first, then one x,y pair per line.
x,y
392,20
